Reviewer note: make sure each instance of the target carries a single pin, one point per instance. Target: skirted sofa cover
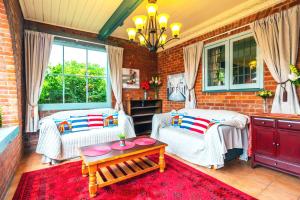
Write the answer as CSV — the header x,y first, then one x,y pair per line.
x,y
207,149
55,146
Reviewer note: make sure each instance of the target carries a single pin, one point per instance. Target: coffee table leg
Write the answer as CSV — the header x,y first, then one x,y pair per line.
x,y
84,170
92,180
162,162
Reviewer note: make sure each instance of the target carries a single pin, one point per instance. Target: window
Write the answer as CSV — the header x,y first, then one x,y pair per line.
x,y
232,65
77,77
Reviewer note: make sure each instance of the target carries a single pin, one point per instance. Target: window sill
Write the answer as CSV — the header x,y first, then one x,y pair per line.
x,y
7,135
73,106
234,90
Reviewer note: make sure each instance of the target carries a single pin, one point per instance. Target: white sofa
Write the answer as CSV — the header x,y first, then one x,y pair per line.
x,y
55,146
211,148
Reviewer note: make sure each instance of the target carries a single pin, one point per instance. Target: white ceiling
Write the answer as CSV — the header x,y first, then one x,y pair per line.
x,y
199,16
85,15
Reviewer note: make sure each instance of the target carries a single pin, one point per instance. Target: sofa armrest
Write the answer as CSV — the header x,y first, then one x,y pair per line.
x,y
160,121
49,143
126,125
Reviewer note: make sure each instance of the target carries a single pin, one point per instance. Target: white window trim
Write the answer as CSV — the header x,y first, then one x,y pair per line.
x,y
86,105
228,67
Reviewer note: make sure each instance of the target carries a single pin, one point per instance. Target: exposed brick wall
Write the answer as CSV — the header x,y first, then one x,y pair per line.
x,y
170,61
9,160
8,68
16,22
11,79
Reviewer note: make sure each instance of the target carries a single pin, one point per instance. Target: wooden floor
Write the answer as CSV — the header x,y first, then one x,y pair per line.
x,y
260,182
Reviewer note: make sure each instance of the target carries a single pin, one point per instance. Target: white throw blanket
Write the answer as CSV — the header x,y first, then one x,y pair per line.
x,y
210,148
55,146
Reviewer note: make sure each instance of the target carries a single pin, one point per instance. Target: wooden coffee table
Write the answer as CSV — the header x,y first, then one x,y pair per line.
x,y
122,164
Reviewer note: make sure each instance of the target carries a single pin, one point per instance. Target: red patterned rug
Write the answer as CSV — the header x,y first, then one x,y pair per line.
x,y
179,181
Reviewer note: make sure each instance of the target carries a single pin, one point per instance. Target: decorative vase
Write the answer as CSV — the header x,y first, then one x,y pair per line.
x,y
156,94
122,142
265,105
145,95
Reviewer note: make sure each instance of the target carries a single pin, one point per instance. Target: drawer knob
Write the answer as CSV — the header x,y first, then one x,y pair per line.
x,y
263,122
274,143
289,125
277,144
275,163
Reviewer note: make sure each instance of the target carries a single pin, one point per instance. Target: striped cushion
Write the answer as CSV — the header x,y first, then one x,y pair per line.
x,y
195,124
79,123
95,121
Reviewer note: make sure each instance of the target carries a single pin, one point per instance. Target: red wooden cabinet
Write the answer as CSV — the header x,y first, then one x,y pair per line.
x,y
276,142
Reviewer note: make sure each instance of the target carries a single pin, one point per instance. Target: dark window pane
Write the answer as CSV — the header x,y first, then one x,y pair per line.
x,y
97,90
216,66
97,62
52,91
75,61
244,61
75,89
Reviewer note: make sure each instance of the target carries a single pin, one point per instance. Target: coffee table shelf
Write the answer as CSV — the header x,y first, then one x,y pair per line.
x,y
115,166
124,170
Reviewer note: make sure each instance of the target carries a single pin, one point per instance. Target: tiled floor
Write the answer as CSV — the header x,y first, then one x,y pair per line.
x,y
260,182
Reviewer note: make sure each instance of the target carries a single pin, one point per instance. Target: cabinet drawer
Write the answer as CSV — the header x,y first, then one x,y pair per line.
x,y
265,160
264,122
290,167
291,125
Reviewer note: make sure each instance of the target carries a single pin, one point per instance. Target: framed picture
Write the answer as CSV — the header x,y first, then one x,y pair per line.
x,y
176,87
131,78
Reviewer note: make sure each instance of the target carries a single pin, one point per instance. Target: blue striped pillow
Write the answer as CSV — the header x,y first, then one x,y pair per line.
x,y
79,123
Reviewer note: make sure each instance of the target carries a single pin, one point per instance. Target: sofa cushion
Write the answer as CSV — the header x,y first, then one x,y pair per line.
x,y
63,126
110,120
176,118
195,124
95,121
79,123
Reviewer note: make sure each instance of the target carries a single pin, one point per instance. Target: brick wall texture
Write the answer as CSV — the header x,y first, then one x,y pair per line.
x,y
8,68
170,61
11,79
9,160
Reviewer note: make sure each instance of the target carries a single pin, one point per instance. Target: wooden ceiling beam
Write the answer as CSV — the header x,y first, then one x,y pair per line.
x,y
118,17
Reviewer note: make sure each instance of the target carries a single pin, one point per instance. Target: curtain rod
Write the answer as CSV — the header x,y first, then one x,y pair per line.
x,y
78,40
100,43
226,32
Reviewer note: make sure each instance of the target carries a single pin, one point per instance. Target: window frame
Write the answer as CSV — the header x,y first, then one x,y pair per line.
x,y
86,105
229,86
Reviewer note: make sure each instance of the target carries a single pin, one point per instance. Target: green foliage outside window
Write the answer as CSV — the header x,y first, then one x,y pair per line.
x,y
76,83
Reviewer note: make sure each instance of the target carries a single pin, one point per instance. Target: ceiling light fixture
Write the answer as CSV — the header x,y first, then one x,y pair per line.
x,y
151,32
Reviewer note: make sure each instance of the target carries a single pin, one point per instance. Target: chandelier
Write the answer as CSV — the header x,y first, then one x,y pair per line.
x,y
151,32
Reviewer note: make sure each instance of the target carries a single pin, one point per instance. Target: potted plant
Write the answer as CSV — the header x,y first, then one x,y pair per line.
x,y
264,94
155,83
122,137
145,86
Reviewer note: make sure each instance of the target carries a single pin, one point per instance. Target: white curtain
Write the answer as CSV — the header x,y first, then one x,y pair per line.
x,y
115,62
278,37
37,52
191,55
